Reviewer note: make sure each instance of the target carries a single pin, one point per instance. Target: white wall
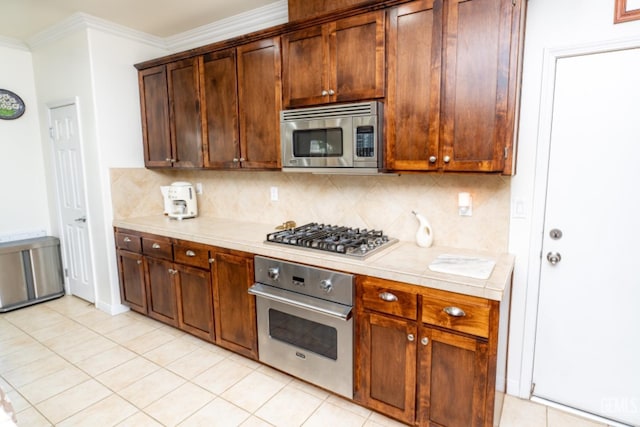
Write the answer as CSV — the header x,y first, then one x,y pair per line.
x,y
551,24
96,68
24,200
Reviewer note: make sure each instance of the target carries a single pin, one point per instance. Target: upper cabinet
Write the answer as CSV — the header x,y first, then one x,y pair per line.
x,y
447,72
170,104
453,71
260,102
220,110
337,61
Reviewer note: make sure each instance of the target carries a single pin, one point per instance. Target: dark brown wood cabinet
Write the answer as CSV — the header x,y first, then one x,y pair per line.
x,y
420,365
132,282
260,102
198,288
453,71
335,62
219,86
235,309
170,106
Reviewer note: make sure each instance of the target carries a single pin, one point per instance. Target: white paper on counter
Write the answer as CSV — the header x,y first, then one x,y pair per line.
x,y
474,267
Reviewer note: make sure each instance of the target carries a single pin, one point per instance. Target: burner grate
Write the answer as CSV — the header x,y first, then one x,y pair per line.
x,y
332,238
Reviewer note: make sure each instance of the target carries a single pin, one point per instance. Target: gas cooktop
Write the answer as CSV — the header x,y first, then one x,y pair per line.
x,y
355,242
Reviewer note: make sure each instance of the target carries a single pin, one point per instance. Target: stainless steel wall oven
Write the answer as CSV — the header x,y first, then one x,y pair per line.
x,y
305,324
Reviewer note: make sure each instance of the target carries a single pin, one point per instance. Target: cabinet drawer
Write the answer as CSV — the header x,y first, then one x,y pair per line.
x,y
389,300
193,255
129,242
157,248
457,313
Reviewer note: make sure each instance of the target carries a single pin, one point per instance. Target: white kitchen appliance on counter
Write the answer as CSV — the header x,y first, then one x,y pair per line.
x,y
180,201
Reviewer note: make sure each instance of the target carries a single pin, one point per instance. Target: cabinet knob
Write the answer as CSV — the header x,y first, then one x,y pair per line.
x,y
424,341
242,159
172,271
331,92
235,160
446,159
432,159
212,260
170,160
388,297
127,240
190,253
454,311
325,93
155,246
410,337
139,261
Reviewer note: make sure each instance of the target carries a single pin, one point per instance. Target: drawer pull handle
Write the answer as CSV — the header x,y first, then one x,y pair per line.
x,y
190,253
127,240
454,311
388,297
155,246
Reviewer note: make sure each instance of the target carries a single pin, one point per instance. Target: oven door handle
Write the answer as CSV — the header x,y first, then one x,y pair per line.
x,y
293,299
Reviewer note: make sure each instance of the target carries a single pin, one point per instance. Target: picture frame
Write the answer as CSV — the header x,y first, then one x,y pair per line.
x,y
625,12
11,105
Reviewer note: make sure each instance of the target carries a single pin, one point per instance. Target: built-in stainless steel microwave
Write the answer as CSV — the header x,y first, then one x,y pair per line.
x,y
332,139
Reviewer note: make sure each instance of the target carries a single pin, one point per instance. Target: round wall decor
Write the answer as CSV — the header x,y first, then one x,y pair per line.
x,y
11,105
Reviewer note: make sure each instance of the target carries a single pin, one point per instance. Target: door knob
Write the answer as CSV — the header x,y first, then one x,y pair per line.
x,y
554,258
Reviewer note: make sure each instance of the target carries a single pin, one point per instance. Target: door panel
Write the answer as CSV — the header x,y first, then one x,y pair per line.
x,y
72,203
587,350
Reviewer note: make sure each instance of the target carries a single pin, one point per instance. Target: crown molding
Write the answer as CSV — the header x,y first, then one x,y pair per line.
x,y
263,17
257,19
12,43
81,21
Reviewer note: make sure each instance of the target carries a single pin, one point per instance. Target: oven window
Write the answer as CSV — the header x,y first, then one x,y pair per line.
x,y
316,337
317,142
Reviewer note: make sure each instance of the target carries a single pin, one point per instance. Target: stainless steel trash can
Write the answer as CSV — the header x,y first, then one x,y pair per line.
x,y
30,272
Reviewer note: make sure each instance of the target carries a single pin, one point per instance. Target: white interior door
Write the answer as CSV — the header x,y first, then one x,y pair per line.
x,y
72,204
587,351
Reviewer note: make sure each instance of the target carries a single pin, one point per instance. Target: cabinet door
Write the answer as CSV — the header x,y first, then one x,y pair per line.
x,y
220,110
260,99
452,379
184,111
386,365
235,309
356,51
154,106
161,290
305,57
412,110
132,283
195,301
477,117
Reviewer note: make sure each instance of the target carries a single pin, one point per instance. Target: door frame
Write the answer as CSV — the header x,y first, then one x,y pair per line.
x,y
540,181
75,102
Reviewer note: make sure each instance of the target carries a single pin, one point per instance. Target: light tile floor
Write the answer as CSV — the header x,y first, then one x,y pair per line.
x,y
66,363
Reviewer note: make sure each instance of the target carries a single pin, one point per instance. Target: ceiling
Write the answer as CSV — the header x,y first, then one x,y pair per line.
x,y
22,19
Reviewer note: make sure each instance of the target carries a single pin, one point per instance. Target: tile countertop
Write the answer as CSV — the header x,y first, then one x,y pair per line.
x,y
402,262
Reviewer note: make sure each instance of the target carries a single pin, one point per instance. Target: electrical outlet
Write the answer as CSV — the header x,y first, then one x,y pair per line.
x,y
198,188
274,194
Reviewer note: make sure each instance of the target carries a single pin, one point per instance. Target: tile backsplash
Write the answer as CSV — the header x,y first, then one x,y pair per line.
x,y
379,202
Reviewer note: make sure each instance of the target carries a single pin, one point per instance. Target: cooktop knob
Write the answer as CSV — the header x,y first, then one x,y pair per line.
x,y
326,285
273,273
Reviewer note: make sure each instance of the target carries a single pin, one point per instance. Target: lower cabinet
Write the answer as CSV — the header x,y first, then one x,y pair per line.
x,y
195,301
132,283
198,288
235,309
419,373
